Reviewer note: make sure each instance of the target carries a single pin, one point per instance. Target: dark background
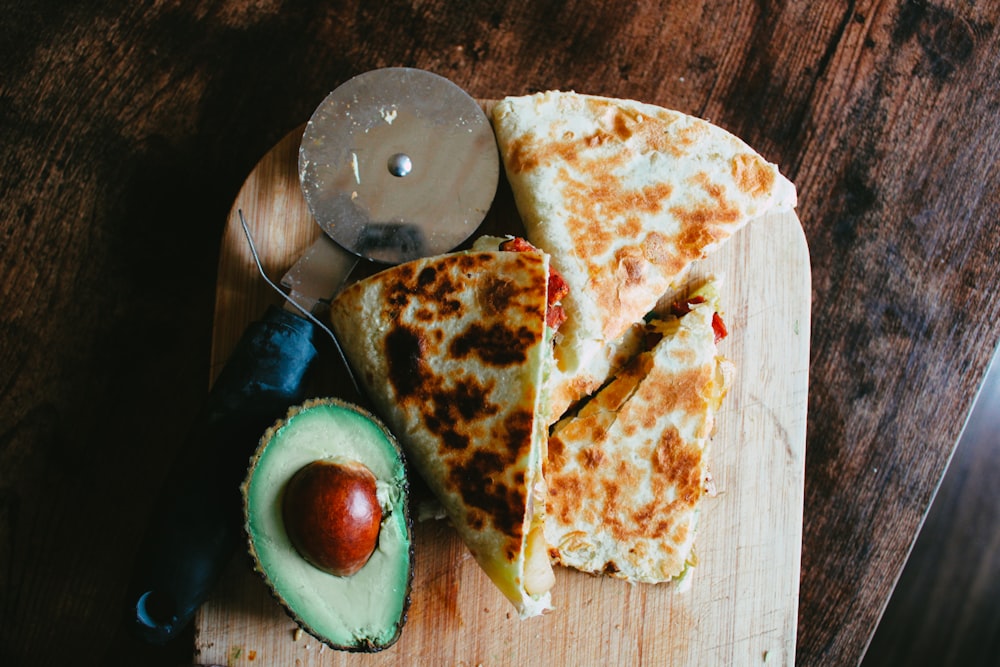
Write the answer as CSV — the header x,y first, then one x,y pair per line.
x,y
126,129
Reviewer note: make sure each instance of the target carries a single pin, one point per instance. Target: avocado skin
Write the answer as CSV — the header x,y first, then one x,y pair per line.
x,y
359,644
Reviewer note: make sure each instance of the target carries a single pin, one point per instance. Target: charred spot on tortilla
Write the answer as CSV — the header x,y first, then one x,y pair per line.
x,y
493,345
426,277
480,479
498,295
447,410
404,354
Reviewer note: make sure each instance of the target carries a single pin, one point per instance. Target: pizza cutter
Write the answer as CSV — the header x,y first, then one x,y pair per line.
x,y
395,164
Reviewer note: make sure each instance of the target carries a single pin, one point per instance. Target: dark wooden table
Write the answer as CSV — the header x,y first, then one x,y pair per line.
x,y
126,129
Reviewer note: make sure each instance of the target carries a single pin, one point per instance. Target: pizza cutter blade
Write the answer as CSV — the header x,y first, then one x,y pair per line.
x,y
395,164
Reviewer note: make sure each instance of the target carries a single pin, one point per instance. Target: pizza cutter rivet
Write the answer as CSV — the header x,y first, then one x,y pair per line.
x,y
400,165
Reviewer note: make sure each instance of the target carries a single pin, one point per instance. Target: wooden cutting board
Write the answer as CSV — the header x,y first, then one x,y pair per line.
x,y
741,608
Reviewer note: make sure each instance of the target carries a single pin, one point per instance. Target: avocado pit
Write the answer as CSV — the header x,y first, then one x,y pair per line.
x,y
332,515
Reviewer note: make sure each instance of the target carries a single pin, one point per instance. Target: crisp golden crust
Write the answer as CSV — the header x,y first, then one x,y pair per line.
x,y
624,196
627,474
451,351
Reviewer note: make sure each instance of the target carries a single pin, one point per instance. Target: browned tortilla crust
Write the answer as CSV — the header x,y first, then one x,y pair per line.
x,y
450,349
593,195
624,196
627,474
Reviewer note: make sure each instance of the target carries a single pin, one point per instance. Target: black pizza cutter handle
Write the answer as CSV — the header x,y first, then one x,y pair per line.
x,y
196,525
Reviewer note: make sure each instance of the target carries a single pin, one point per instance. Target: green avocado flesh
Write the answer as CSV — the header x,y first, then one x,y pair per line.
x,y
361,612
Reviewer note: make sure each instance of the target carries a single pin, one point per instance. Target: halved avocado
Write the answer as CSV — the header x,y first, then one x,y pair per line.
x,y
363,611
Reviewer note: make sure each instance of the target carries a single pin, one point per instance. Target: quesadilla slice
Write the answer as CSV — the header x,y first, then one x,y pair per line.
x,y
453,351
624,196
627,474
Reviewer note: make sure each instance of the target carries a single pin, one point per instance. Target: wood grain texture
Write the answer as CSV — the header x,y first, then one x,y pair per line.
x,y
743,604
952,579
127,129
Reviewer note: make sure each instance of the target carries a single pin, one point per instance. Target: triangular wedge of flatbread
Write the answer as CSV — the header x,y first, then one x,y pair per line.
x,y
626,475
624,196
452,350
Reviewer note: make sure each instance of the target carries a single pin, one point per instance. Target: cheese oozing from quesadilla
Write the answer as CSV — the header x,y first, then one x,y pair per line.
x,y
627,474
453,351
624,196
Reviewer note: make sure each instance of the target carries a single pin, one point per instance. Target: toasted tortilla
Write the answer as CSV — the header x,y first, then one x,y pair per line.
x,y
627,475
453,350
624,196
